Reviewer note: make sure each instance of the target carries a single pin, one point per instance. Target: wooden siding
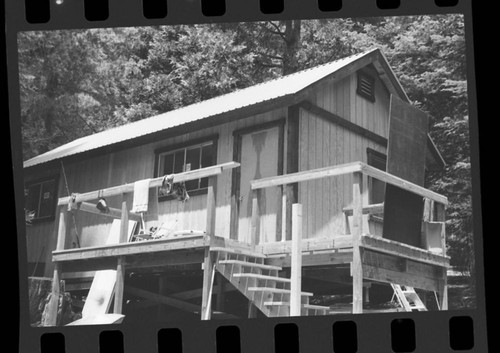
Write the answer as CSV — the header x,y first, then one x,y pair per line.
x,y
322,143
138,163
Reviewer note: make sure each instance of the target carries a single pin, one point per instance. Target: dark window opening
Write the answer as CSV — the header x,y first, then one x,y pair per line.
x,y
366,86
183,159
376,188
39,199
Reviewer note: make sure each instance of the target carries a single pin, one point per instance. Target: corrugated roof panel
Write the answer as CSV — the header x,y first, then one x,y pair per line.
x,y
252,95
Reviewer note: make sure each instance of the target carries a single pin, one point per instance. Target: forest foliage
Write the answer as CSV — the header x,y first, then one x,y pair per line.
x,y
77,82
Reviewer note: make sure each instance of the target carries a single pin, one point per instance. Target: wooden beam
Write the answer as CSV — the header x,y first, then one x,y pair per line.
x,y
134,248
211,205
315,259
376,208
307,175
208,281
176,303
156,182
356,230
443,285
119,285
291,191
388,276
296,261
53,304
346,124
308,245
113,212
124,221
401,183
255,223
402,250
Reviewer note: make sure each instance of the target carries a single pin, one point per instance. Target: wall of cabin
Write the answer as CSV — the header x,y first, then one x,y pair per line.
x,y
133,164
323,143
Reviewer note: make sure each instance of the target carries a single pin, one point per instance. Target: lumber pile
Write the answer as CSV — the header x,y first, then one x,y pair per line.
x,y
39,296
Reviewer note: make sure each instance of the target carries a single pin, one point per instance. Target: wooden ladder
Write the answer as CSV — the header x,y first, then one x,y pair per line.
x,y
261,283
408,298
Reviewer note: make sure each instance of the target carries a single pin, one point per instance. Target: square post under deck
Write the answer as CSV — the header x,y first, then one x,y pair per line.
x,y
356,231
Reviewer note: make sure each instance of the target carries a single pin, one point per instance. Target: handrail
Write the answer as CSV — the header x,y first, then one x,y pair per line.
x,y
343,169
306,175
155,182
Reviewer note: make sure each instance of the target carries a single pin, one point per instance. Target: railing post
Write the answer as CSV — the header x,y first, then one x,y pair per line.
x,y
124,220
208,282
211,205
119,285
357,231
443,290
255,224
296,261
53,304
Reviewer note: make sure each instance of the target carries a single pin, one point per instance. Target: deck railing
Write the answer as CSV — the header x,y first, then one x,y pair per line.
x,y
79,202
360,172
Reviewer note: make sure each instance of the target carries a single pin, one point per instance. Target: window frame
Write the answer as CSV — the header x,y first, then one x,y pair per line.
x,y
53,206
365,75
213,139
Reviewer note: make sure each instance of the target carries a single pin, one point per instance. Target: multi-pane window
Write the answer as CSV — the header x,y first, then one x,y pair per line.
x,y
185,159
40,199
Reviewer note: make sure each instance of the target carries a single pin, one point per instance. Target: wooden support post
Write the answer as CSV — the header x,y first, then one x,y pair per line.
x,y
120,280
296,260
208,282
284,201
211,205
53,304
124,220
219,306
357,223
255,229
443,290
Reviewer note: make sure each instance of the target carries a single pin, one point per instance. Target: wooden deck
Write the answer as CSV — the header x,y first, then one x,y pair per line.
x,y
261,267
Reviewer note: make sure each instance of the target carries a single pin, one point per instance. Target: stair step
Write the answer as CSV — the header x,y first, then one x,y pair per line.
x,y
249,264
315,307
277,290
305,306
259,276
239,252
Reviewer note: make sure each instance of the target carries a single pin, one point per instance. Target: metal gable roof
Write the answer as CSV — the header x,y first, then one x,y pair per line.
x,y
253,95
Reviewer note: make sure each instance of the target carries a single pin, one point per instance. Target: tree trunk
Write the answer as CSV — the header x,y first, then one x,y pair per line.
x,y
292,46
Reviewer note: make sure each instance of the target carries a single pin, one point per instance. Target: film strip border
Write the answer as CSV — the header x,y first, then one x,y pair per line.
x,y
372,333
444,332
92,11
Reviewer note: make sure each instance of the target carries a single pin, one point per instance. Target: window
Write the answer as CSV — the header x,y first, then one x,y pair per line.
x,y
366,86
376,187
40,197
184,158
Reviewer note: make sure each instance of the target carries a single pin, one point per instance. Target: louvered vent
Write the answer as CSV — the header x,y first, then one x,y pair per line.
x,y
366,86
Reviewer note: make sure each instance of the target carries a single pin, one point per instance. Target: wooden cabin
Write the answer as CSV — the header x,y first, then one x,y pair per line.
x,y
288,185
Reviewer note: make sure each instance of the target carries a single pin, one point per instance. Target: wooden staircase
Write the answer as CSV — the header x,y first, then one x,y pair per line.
x,y
408,298
261,283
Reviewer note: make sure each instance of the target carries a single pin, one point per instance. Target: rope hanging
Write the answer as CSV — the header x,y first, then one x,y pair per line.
x,y
70,209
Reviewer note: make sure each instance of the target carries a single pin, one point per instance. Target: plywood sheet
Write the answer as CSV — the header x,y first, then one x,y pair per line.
x,y
405,159
103,286
104,319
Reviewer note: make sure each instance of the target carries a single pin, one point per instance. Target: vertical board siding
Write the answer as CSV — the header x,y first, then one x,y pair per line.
x,y
323,143
133,164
